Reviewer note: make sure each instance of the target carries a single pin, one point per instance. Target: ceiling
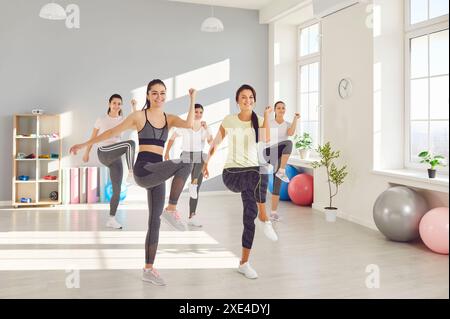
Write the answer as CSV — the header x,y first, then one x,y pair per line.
x,y
243,4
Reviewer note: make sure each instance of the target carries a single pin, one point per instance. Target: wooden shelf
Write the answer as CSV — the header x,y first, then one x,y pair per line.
x,y
25,159
26,182
48,181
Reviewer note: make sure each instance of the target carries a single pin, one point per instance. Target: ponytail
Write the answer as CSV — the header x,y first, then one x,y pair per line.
x,y
255,125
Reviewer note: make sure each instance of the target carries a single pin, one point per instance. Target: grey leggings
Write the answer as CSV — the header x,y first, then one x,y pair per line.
x,y
273,155
111,157
197,161
252,184
151,172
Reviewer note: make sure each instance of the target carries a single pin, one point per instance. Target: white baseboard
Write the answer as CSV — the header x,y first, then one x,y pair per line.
x,y
7,203
346,216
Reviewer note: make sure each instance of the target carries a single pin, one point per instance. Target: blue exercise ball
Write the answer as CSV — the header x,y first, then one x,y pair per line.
x,y
291,172
109,192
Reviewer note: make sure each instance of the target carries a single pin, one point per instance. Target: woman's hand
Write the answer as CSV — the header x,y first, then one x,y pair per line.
x,y
74,149
268,110
192,93
205,170
86,157
166,157
133,104
204,125
297,116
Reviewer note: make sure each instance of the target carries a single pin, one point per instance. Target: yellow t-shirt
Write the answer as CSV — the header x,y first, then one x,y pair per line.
x,y
242,146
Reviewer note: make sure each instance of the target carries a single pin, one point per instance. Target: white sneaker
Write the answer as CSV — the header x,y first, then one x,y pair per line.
x,y
281,174
112,223
247,271
269,231
193,221
193,191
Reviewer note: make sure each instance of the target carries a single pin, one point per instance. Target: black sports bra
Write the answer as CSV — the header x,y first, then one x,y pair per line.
x,y
150,135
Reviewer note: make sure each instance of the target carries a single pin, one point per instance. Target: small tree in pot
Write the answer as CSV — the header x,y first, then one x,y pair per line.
x,y
303,144
433,161
335,176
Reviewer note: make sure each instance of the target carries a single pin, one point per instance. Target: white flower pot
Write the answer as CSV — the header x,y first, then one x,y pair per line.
x,y
331,214
304,154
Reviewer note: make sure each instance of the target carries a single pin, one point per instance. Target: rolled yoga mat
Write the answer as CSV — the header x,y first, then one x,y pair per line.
x,y
83,185
65,186
92,185
74,186
104,179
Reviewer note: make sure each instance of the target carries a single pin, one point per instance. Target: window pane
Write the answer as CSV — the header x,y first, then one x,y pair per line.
x,y
304,42
304,107
314,77
439,53
439,98
313,106
419,139
314,131
304,79
419,99
314,39
419,11
439,138
419,57
438,8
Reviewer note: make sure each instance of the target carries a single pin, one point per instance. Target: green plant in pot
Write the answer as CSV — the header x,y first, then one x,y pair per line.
x,y
303,144
433,161
335,176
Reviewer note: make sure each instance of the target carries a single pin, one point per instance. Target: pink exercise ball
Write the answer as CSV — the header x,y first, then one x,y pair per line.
x,y
301,190
433,230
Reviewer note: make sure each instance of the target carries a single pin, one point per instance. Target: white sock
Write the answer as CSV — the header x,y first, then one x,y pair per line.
x,y
274,212
281,170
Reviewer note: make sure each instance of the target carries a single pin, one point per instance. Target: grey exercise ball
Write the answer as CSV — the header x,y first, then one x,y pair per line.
x,y
397,213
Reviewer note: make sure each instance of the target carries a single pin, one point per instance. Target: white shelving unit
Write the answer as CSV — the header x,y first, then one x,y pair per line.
x,y
31,136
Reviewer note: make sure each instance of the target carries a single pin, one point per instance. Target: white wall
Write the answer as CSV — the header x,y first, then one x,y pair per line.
x,y
121,46
348,51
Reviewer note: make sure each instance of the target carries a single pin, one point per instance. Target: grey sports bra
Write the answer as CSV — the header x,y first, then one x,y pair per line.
x,y
150,135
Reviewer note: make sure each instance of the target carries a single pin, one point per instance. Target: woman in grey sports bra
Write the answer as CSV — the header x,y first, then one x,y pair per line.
x,y
150,171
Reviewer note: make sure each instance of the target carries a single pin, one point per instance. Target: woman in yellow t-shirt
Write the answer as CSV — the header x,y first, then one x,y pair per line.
x,y
242,172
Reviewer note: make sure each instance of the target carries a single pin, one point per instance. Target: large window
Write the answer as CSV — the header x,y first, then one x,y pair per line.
x,y
309,81
427,76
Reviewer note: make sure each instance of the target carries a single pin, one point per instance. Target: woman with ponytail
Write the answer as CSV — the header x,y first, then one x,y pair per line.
x,y
110,153
150,171
242,172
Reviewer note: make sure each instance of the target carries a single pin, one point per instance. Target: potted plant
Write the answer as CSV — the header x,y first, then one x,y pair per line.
x,y
303,144
433,161
335,176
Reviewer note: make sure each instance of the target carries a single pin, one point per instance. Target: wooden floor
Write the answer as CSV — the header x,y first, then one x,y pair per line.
x,y
313,259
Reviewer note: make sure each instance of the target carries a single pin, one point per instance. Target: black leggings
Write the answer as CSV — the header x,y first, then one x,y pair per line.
x,y
273,155
111,157
151,172
252,184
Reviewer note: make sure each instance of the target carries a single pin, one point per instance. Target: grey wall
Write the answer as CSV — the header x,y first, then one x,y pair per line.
x,y
121,45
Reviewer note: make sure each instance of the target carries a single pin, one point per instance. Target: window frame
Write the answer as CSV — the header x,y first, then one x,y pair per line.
x,y
414,31
307,60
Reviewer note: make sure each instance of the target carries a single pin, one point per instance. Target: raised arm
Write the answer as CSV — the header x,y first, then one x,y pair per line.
x,y
88,149
128,124
265,132
293,128
169,145
214,146
176,121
